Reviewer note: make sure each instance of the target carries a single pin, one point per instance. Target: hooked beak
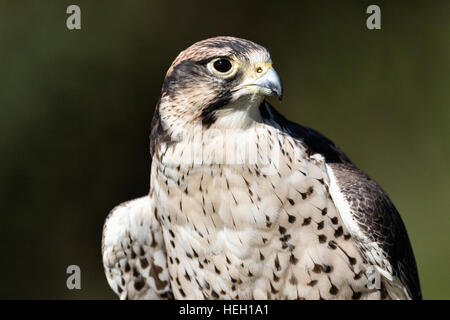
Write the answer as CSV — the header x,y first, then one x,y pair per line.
x,y
266,84
270,84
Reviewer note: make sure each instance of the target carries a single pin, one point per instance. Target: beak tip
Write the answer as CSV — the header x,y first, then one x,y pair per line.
x,y
271,84
278,91
275,85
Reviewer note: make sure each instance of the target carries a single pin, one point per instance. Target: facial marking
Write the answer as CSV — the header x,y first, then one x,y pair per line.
x,y
212,75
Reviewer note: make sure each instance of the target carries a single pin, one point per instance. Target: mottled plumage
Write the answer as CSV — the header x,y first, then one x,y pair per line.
x,y
245,204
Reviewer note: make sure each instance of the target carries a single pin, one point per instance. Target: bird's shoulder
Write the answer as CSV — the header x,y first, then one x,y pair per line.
x,y
313,141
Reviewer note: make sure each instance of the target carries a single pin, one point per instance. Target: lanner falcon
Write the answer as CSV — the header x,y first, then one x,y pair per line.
x,y
245,204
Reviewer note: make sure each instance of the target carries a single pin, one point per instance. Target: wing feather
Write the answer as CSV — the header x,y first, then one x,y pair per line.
x,y
366,210
376,225
133,250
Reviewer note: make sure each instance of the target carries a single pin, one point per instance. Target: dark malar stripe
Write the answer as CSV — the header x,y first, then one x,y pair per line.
x,y
208,115
158,134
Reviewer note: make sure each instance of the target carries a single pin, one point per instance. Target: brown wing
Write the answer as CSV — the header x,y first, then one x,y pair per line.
x,y
380,222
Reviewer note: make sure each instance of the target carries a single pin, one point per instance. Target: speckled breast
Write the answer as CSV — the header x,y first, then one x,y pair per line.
x,y
262,227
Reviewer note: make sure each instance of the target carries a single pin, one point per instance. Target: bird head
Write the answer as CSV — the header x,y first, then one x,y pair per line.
x,y
219,81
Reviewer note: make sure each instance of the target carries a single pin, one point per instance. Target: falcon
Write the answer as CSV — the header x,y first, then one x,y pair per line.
x,y
245,204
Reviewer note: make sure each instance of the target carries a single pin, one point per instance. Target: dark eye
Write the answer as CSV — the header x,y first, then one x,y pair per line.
x,y
222,65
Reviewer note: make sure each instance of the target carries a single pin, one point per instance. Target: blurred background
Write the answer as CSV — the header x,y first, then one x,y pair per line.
x,y
76,106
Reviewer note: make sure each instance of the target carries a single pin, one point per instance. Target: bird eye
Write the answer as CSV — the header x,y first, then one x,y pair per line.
x,y
222,65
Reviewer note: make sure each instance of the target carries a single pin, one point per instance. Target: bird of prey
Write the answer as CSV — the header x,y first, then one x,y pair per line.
x,y
245,204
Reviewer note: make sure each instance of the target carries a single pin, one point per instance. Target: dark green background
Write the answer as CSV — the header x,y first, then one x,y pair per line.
x,y
76,106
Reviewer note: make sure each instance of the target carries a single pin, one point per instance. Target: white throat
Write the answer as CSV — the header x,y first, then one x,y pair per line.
x,y
240,114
